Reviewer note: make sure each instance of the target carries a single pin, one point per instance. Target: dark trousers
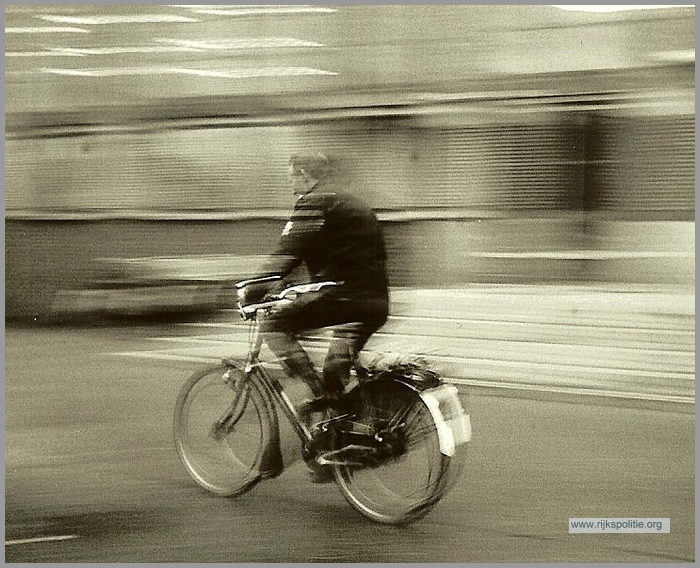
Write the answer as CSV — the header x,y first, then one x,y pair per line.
x,y
367,312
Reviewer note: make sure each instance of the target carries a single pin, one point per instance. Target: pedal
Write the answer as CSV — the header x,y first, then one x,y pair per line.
x,y
353,454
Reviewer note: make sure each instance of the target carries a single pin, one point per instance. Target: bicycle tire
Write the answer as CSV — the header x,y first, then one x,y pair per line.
x,y
407,488
224,461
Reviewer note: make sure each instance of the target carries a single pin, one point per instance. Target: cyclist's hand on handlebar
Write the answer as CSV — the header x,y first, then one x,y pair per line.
x,y
281,305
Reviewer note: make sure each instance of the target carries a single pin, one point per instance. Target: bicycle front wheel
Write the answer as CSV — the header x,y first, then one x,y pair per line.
x,y
404,487
221,429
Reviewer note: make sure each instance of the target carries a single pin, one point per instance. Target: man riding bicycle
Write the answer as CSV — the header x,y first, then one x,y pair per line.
x,y
338,237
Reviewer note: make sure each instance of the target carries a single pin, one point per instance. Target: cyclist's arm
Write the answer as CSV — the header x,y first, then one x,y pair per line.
x,y
299,234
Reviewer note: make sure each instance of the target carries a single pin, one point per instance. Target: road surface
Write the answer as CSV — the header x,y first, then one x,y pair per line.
x,y
92,475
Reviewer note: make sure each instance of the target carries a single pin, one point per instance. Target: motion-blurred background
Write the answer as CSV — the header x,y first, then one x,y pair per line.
x,y
146,146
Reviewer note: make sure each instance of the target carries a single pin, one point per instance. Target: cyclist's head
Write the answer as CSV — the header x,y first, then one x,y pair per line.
x,y
305,171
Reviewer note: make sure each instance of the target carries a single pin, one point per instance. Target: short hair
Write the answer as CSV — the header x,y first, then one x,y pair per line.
x,y
316,165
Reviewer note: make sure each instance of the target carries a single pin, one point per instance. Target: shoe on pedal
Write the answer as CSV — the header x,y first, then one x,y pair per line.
x,y
271,463
312,411
321,474
273,471
319,404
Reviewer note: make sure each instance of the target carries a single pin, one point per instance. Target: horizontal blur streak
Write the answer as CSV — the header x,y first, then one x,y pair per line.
x,y
401,48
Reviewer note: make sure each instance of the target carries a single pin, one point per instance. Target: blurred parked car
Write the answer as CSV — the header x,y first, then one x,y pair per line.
x,y
158,285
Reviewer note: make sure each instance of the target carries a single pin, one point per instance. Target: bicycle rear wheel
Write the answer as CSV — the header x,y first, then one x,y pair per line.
x,y
406,486
221,429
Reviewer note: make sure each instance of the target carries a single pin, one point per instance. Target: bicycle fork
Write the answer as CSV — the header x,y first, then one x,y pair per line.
x,y
234,412
225,424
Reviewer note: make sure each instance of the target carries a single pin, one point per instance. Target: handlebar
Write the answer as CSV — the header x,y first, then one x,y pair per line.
x,y
250,311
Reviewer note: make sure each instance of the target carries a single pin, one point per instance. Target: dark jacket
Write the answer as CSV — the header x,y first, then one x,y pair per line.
x,y
338,237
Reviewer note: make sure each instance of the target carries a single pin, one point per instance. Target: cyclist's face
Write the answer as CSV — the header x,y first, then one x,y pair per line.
x,y
300,181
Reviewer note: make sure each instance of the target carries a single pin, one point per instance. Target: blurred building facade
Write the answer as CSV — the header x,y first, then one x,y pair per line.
x,y
508,150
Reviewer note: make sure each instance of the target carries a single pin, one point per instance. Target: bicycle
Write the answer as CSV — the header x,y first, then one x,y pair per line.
x,y
395,443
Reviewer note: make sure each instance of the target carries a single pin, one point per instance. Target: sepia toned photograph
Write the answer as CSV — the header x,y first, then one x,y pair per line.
x,y
362,283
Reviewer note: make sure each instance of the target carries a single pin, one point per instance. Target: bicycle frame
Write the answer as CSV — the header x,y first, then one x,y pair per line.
x,y
253,365
275,390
